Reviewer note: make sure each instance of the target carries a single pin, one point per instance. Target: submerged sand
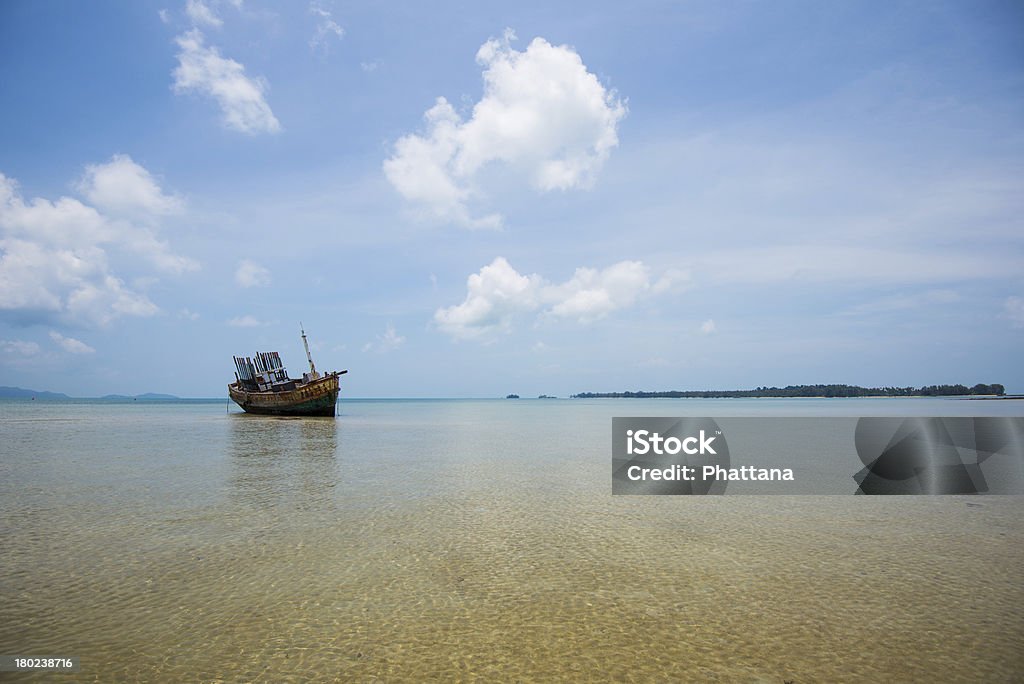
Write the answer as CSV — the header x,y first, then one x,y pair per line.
x,y
313,558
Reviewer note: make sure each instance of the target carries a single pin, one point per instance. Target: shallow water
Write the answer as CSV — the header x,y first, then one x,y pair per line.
x,y
438,539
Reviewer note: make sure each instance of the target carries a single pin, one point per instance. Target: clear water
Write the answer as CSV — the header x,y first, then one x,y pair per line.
x,y
412,540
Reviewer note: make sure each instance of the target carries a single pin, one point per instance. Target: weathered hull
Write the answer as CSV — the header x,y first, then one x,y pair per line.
x,y
317,398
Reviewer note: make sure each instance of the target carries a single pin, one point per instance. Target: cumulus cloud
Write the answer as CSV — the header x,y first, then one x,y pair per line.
x,y
543,116
251,274
498,293
591,294
201,14
708,327
203,70
54,255
494,296
123,188
70,344
1014,311
326,27
386,342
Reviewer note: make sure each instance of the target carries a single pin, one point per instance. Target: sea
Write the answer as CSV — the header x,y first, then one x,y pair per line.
x,y
421,540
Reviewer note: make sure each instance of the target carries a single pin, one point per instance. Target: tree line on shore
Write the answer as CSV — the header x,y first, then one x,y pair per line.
x,y
828,391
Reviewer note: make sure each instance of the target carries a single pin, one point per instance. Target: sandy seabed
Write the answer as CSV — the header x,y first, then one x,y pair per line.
x,y
300,561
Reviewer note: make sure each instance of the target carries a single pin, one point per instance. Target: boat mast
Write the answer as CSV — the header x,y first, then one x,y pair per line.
x,y
312,367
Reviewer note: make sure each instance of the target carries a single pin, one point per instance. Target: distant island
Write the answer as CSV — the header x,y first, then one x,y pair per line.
x,y
810,391
21,393
512,396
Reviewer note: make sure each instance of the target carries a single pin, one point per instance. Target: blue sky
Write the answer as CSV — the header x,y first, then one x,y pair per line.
x,y
460,199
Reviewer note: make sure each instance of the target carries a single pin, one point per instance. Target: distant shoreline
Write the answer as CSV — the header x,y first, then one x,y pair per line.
x,y
993,391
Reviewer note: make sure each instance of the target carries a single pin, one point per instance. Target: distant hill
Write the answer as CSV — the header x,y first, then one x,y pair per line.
x,y
19,393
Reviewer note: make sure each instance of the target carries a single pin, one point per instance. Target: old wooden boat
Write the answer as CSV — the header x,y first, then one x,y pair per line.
x,y
262,386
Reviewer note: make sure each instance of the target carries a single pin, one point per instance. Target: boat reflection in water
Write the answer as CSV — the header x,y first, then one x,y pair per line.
x,y
283,462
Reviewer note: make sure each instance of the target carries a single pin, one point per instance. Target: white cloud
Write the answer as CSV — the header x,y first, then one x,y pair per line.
x,y
498,293
494,296
188,315
1014,311
19,347
369,67
389,341
54,254
164,15
325,28
543,115
246,321
708,327
200,13
70,344
202,69
123,188
251,274
591,294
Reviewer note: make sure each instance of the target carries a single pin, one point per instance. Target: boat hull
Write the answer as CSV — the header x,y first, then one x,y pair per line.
x,y
317,398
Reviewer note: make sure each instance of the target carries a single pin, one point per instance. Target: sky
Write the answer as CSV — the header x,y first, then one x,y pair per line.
x,y
473,199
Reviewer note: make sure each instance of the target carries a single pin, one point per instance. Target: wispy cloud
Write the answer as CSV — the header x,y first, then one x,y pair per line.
x,y
19,347
388,341
246,321
326,29
202,69
251,274
903,301
833,263
1013,309
70,344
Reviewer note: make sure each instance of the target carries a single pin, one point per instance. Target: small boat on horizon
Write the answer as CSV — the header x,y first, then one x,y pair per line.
x,y
262,386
